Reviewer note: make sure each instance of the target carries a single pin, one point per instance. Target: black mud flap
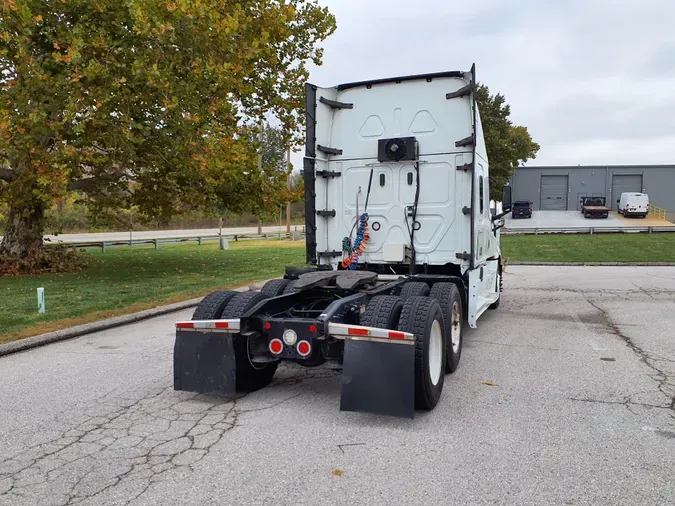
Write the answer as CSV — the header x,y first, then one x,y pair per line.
x,y
204,362
379,377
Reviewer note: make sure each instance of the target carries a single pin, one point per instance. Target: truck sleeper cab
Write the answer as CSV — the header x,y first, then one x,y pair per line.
x,y
401,244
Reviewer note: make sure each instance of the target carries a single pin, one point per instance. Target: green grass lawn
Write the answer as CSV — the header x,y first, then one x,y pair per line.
x,y
125,280
590,248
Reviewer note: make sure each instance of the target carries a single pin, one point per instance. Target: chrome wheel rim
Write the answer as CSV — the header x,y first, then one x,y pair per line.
x,y
435,352
456,327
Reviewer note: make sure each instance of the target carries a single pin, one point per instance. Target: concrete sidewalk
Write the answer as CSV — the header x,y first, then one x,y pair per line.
x,y
572,219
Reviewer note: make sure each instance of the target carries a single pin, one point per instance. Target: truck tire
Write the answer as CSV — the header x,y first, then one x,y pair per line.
x,y
414,289
211,307
241,303
250,376
383,311
447,295
274,287
290,286
423,317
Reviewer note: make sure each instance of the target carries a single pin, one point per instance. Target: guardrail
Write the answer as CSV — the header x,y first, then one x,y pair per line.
x,y
104,245
658,212
587,230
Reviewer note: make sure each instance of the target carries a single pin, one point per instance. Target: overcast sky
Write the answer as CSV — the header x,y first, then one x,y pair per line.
x,y
592,80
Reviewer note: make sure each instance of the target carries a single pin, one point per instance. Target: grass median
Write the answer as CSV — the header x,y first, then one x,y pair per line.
x,y
625,248
125,280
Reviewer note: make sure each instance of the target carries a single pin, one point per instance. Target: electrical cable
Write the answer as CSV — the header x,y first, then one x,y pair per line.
x,y
370,184
413,253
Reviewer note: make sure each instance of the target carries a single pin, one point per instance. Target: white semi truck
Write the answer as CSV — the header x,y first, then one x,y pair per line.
x,y
402,250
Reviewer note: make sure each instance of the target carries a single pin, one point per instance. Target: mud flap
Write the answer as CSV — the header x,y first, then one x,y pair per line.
x,y
378,377
204,362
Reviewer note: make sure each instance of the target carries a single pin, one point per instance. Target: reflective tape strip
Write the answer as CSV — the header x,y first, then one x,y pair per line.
x,y
378,340
211,325
342,331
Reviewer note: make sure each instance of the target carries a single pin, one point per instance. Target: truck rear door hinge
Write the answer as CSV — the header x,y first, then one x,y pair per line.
x,y
468,141
463,256
330,254
327,213
466,210
328,173
465,167
335,104
328,151
462,92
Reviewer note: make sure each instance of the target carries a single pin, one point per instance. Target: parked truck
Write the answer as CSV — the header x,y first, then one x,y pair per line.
x,y
521,209
402,251
633,204
594,207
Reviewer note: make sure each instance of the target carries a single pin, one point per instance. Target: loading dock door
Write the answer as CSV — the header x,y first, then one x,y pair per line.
x,y
554,191
623,183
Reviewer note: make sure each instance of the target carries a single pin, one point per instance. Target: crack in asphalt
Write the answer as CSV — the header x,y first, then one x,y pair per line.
x,y
511,345
126,444
643,290
659,375
609,291
625,402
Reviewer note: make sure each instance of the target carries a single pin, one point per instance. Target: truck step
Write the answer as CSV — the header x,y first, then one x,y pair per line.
x,y
264,360
333,365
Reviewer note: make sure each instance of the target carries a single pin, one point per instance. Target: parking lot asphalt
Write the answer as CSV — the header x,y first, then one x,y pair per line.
x,y
564,395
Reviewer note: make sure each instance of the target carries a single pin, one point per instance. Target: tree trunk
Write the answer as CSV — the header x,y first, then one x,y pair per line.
x,y
24,231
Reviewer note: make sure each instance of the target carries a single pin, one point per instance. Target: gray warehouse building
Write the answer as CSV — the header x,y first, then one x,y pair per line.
x,y
561,188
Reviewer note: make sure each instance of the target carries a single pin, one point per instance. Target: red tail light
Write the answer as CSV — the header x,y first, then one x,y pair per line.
x,y
304,348
276,346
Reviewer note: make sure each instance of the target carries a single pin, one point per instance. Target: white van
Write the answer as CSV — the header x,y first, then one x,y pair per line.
x,y
634,204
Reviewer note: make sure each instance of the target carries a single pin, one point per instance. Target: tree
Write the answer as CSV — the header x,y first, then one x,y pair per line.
x,y
96,94
274,151
274,171
507,145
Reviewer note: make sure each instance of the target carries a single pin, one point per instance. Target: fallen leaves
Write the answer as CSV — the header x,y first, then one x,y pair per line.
x,y
337,472
490,383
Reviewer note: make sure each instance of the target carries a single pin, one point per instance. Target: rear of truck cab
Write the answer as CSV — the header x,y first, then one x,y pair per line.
x,y
404,244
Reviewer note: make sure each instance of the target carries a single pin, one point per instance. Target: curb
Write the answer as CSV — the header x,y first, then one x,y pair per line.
x,y
88,328
597,264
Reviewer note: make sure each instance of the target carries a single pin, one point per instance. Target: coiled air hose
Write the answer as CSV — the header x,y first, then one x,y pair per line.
x,y
360,243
